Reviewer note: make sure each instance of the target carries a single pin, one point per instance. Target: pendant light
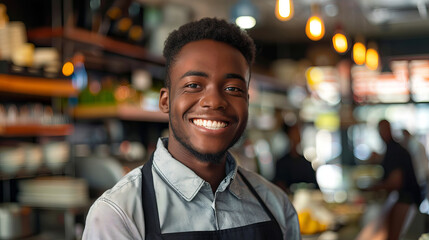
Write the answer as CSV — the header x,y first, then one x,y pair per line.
x,y
359,51
244,14
372,58
284,10
315,28
340,41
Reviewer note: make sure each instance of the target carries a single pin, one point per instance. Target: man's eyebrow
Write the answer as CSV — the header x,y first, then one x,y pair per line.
x,y
234,75
194,73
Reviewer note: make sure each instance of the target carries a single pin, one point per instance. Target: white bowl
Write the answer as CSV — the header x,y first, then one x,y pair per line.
x,y
33,157
11,159
56,154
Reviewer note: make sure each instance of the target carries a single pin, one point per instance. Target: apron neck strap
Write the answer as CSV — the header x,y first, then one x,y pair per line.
x,y
150,208
264,206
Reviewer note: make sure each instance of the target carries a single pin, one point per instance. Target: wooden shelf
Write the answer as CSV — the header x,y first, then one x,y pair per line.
x,y
123,112
36,86
23,173
94,39
36,130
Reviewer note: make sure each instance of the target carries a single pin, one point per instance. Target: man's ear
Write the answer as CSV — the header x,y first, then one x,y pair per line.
x,y
164,101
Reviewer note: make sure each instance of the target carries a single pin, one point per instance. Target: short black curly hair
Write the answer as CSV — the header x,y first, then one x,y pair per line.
x,y
207,28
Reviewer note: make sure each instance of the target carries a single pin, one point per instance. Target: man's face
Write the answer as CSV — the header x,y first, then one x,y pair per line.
x,y
207,100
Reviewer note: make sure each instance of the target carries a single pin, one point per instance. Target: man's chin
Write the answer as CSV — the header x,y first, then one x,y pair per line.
x,y
216,157
200,150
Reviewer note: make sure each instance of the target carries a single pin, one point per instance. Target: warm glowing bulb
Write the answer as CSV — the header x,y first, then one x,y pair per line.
x,y
359,51
314,77
68,69
340,43
315,29
245,22
372,59
284,9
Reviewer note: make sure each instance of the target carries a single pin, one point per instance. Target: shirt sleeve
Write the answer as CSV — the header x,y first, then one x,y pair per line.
x,y
292,224
107,221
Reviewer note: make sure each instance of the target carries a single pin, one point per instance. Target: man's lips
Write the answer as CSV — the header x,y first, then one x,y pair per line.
x,y
209,124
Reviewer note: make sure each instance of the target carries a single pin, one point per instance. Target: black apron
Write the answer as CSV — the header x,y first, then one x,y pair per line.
x,y
258,231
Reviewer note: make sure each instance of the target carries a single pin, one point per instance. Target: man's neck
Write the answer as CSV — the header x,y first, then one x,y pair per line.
x,y
211,172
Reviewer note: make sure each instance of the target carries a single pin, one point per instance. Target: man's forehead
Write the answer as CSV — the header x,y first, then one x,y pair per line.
x,y
198,64
198,43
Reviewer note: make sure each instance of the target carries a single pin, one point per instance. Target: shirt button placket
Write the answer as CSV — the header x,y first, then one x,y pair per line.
x,y
214,210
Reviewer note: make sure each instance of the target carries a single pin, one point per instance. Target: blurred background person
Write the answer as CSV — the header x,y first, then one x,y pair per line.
x,y
419,159
399,180
293,168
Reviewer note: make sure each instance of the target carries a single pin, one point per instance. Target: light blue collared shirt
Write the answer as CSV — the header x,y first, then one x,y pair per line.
x,y
187,203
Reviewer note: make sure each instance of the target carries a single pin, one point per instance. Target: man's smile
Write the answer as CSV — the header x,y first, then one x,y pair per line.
x,y
209,124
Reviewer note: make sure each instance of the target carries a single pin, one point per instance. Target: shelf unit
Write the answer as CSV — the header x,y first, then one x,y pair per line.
x,y
25,174
123,112
36,86
36,130
102,54
96,40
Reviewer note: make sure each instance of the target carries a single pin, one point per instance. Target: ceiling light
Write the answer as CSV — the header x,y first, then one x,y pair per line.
x,y
339,41
244,14
315,28
284,9
359,52
372,57
245,22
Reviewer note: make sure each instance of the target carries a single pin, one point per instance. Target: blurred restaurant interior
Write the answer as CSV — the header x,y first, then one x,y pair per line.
x,y
80,81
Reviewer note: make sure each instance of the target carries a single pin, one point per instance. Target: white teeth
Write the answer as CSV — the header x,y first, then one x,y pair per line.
x,y
209,124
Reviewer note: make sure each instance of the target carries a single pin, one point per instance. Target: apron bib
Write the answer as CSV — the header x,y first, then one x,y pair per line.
x,y
269,230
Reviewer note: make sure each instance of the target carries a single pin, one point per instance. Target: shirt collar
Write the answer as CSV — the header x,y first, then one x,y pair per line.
x,y
182,179
237,185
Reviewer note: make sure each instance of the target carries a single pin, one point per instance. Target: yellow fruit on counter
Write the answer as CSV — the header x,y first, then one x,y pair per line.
x,y
308,224
312,227
304,217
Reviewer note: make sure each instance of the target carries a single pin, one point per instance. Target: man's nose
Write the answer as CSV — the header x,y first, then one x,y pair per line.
x,y
213,98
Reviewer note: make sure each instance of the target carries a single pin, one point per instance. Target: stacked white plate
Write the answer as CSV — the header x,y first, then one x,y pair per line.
x,y
5,47
17,35
57,191
12,36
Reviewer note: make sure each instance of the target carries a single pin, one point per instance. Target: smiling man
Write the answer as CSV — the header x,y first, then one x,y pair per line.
x,y
192,188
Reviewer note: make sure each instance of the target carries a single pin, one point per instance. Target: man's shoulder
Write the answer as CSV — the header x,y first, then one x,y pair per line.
x,y
128,186
117,213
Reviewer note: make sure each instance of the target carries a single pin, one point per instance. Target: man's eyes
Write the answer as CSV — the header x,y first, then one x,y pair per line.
x,y
230,89
192,85
234,89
